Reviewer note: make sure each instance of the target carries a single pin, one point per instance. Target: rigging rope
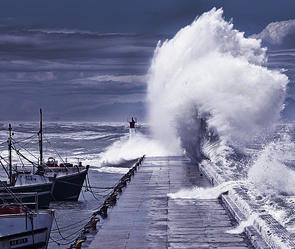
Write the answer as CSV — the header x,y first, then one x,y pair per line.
x,y
54,149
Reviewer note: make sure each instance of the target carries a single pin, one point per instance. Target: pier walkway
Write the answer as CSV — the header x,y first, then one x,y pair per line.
x,y
145,217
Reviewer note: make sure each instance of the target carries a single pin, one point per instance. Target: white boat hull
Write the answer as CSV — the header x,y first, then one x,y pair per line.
x,y
25,231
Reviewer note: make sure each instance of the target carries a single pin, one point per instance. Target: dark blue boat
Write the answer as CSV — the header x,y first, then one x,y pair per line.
x,y
69,179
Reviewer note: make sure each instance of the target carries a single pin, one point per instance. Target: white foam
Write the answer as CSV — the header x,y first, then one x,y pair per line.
x,y
204,193
116,170
129,148
241,227
269,173
211,71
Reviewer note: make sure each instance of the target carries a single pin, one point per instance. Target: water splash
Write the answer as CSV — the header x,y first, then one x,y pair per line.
x,y
128,148
211,94
204,193
116,170
210,77
241,227
270,173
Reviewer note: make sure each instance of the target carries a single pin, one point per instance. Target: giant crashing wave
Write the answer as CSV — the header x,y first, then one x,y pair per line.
x,y
210,93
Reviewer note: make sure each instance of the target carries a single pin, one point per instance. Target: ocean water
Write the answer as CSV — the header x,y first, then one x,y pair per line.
x,y
267,169
104,146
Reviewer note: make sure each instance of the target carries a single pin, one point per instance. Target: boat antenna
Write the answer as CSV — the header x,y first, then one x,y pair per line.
x,y
10,157
40,138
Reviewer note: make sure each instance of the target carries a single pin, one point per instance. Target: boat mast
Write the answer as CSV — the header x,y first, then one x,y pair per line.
x,y
10,157
40,139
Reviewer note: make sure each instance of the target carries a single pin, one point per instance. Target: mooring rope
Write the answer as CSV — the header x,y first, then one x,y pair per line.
x,y
109,202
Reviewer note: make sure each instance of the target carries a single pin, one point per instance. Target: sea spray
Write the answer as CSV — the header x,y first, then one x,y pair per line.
x,y
204,193
211,95
245,223
129,148
210,77
271,177
270,173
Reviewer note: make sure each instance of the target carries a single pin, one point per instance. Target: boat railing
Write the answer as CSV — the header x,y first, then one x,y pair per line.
x,y
4,199
16,197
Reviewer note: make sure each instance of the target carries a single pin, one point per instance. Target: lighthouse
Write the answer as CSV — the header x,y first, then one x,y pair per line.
x,y
132,123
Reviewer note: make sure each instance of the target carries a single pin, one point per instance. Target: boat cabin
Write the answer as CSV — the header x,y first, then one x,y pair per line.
x,y
54,163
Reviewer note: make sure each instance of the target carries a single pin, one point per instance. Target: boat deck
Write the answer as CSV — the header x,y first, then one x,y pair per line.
x,y
145,217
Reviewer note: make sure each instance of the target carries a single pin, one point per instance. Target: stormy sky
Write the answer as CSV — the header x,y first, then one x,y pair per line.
x,y
88,60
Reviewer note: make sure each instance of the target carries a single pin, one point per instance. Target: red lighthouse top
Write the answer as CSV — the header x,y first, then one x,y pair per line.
x,y
132,122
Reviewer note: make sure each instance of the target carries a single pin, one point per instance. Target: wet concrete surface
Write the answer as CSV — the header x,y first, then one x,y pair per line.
x,y
145,217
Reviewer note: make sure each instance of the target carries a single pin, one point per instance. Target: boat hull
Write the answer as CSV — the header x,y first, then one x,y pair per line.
x,y
67,187
17,230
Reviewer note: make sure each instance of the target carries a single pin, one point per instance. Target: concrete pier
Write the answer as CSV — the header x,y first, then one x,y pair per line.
x,y
145,217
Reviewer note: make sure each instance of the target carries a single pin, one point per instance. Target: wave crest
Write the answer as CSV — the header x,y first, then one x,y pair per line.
x,y
209,77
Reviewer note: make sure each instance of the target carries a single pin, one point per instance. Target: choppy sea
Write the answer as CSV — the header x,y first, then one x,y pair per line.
x,y
110,152
74,142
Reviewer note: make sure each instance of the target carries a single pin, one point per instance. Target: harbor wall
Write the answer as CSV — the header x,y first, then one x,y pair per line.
x,y
244,209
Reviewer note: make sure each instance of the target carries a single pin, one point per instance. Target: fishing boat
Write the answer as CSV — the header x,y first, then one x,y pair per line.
x,y
21,227
63,181
31,189
68,178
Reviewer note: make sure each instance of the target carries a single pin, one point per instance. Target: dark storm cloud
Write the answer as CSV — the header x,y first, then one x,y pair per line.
x,y
66,71
105,16
60,49
57,55
139,16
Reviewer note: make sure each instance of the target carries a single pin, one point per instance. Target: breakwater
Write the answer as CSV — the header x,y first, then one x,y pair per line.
x,y
89,230
146,217
262,227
